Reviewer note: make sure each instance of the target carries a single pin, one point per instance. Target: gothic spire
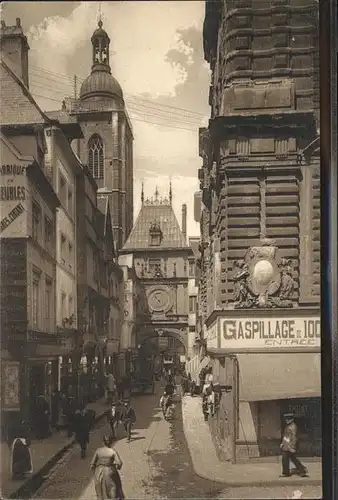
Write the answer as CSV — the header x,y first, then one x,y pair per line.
x,y
142,194
156,193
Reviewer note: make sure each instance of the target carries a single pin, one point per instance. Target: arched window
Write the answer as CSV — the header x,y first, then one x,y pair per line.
x,y
95,157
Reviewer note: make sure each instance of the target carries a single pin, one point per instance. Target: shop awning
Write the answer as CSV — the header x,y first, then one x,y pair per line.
x,y
265,377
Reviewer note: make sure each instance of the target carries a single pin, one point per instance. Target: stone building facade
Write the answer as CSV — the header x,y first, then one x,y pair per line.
x,y
99,290
61,287
161,258
260,248
28,203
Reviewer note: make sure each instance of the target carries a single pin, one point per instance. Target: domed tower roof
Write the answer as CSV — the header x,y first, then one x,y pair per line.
x,y
100,83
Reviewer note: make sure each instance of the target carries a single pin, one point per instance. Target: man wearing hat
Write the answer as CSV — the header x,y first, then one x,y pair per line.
x,y
128,418
289,447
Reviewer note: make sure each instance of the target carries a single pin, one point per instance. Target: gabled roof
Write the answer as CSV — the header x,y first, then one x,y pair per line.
x,y
14,150
162,213
17,104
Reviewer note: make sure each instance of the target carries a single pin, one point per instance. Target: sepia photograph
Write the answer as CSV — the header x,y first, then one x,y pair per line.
x,y
160,250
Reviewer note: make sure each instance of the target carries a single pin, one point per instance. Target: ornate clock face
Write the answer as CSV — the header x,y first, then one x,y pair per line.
x,y
159,300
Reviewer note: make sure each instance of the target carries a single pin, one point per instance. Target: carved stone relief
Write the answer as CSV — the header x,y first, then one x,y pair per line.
x,y
262,282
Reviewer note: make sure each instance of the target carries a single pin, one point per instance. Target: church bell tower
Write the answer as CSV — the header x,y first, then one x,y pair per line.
x,y
107,147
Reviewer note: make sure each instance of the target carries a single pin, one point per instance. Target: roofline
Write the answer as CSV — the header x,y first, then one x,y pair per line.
x,y
68,127
129,122
125,250
14,149
24,127
91,179
44,185
25,90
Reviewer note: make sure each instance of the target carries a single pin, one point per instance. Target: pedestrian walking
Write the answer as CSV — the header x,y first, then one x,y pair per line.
x,y
42,415
55,408
82,423
114,416
105,465
128,419
289,448
70,409
120,389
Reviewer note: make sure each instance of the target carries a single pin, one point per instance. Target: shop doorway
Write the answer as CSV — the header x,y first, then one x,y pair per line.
x,y
307,413
36,386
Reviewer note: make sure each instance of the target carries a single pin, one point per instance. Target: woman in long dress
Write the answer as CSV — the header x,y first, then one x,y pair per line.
x,y
105,465
21,459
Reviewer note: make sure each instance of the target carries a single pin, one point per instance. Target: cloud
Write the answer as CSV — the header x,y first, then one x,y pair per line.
x,y
156,51
140,38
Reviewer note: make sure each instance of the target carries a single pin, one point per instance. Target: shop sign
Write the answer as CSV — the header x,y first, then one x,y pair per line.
x,y
10,386
12,199
285,332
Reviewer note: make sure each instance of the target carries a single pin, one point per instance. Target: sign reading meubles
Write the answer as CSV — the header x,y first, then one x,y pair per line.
x,y
270,332
12,198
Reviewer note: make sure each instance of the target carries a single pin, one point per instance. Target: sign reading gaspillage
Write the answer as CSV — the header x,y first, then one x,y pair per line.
x,y
245,333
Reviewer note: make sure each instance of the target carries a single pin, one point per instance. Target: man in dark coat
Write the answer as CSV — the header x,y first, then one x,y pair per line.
x,y
114,416
120,388
128,419
289,448
55,407
42,415
82,424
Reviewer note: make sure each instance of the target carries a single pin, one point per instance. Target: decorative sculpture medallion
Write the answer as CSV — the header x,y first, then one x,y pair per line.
x,y
260,281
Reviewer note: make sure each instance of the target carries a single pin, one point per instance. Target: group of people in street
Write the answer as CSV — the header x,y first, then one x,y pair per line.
x,y
106,462
119,387
121,412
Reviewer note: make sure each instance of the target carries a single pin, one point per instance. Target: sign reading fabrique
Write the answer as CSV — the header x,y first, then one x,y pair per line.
x,y
254,333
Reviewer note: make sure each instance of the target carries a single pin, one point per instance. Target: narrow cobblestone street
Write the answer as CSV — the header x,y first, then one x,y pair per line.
x,y
157,464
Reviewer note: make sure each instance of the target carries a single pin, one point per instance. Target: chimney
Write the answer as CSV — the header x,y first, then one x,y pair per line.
x,y
184,222
15,46
197,206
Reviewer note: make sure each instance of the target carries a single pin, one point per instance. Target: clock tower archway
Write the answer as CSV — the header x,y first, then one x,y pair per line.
x,y
163,332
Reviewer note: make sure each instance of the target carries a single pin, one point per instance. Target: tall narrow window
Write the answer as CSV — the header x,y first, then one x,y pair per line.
x,y
36,298
63,306
48,304
36,221
95,157
192,305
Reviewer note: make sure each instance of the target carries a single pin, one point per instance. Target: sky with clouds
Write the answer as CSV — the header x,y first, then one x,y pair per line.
x,y
157,57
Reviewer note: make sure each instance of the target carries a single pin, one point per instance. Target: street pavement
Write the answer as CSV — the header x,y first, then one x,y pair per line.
x,y
43,452
156,464
207,464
